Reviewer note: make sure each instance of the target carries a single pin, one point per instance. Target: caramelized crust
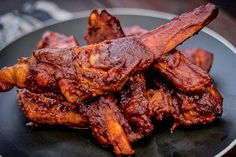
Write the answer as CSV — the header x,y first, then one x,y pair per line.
x,y
102,26
181,72
71,74
134,104
186,110
41,109
186,25
85,72
109,125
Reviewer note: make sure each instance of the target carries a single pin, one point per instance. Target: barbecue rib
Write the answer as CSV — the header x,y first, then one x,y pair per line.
x,y
134,103
41,109
186,110
109,125
182,73
102,27
81,73
197,56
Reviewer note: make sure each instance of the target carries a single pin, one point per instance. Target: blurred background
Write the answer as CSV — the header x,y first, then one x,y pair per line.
x,y
18,17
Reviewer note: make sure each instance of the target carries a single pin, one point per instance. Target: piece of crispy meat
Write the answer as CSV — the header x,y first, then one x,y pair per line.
x,y
200,57
134,103
51,108
109,125
35,106
102,26
186,110
40,109
180,71
80,73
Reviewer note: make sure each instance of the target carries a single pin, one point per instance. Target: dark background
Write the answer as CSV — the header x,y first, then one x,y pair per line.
x,y
225,24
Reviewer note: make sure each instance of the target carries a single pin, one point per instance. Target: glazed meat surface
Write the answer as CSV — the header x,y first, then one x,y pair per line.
x,y
74,86
43,110
40,109
197,56
51,108
109,125
186,110
134,103
102,26
85,72
182,73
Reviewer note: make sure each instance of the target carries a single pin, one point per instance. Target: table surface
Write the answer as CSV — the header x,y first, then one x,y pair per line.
x,y
224,24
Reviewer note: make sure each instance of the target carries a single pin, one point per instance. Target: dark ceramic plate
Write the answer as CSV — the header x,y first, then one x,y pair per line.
x,y
16,139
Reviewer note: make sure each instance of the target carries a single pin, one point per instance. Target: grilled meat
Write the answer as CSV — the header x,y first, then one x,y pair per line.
x,y
102,26
85,72
199,57
186,110
64,75
180,71
51,108
109,124
134,103
41,109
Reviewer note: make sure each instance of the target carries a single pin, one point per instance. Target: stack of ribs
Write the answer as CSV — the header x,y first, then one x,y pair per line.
x,y
121,81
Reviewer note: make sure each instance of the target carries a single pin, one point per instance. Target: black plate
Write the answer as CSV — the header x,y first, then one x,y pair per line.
x,y
18,140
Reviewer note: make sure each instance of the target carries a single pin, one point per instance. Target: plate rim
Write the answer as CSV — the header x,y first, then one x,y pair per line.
x,y
139,12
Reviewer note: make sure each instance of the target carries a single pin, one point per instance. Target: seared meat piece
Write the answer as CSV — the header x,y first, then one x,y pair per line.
x,y
107,122
53,40
186,110
41,109
85,72
102,115
180,71
200,57
102,27
134,103
56,40
109,125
